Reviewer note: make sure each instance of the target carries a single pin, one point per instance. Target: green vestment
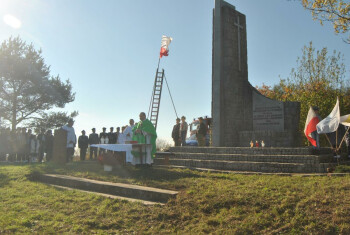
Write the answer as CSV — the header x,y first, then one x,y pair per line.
x,y
146,126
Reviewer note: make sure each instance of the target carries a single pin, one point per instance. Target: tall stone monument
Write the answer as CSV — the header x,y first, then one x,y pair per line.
x,y
240,113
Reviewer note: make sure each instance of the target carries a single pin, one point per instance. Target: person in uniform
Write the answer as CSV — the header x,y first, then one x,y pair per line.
x,y
201,132
176,133
112,139
103,139
183,130
93,139
41,139
48,145
83,144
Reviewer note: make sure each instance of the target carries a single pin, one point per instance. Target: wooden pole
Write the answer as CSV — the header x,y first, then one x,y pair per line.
x,y
329,142
343,137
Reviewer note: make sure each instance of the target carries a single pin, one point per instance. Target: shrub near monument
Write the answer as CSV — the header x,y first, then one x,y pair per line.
x,y
318,79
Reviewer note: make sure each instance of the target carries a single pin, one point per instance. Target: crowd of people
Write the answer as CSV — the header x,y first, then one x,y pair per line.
x,y
23,146
85,141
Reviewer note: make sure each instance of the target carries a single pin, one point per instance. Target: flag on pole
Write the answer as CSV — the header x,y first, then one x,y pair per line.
x,y
310,125
331,122
345,120
164,46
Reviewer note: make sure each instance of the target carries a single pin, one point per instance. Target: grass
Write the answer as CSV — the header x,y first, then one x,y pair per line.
x,y
207,203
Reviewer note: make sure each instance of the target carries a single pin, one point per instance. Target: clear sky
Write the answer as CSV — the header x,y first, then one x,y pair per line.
x,y
109,50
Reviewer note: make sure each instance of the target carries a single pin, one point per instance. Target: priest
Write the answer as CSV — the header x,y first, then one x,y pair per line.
x,y
145,133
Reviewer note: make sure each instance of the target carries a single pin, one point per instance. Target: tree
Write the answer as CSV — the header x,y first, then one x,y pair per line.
x,y
335,11
27,90
318,79
52,120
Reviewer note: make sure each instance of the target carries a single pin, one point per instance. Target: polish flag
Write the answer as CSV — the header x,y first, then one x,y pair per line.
x,y
164,46
310,125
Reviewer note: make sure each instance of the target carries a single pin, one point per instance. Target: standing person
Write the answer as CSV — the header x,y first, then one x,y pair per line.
x,y
128,130
71,140
176,133
2,145
145,133
183,130
48,145
103,139
314,134
12,146
93,139
201,132
33,146
117,133
121,136
41,139
22,143
112,139
83,143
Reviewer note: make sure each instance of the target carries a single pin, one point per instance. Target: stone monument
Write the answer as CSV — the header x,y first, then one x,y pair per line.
x,y
240,113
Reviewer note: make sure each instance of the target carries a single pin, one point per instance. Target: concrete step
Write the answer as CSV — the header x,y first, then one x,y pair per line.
x,y
309,159
252,172
148,203
117,189
271,167
247,150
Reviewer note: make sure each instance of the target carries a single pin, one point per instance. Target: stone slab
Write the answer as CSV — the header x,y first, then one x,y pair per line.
x,y
148,203
117,189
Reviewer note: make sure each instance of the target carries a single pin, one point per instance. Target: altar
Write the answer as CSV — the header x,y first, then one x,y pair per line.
x,y
134,153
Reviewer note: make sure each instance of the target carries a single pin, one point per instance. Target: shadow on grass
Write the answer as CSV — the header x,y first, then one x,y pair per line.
x,y
4,180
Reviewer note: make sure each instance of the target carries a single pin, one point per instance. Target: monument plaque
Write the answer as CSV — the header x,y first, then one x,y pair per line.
x,y
267,114
240,113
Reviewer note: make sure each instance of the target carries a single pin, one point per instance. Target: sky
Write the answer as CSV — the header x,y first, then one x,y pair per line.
x,y
109,51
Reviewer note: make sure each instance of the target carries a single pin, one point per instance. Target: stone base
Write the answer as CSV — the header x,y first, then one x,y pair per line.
x,y
268,160
270,138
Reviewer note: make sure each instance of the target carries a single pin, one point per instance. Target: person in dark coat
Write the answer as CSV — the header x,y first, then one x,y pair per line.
x,y
41,139
22,144
201,132
2,145
93,139
48,145
112,137
83,144
176,133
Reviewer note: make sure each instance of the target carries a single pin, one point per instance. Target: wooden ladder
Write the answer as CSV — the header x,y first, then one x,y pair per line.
x,y
156,95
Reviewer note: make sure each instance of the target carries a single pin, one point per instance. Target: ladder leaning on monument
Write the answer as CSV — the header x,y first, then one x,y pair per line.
x,y
153,110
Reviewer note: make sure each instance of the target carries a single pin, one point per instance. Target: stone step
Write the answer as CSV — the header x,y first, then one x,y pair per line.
x,y
271,167
309,159
148,203
247,150
253,172
117,189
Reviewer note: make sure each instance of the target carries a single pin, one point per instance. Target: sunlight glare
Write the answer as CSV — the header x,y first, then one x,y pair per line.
x,y
12,21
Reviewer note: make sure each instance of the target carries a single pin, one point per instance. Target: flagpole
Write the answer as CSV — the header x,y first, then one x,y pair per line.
x,y
329,142
158,64
343,138
336,139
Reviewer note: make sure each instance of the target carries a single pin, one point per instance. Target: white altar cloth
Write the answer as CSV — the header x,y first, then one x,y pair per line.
x,y
127,148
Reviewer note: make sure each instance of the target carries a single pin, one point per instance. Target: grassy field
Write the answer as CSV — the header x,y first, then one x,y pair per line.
x,y
207,203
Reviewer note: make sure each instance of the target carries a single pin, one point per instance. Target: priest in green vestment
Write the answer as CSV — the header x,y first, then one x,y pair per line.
x,y
145,133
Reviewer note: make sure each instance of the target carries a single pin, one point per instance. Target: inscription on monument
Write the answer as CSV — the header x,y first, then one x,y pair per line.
x,y
267,114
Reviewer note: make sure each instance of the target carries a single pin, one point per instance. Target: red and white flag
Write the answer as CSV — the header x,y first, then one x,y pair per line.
x,y
164,46
310,125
